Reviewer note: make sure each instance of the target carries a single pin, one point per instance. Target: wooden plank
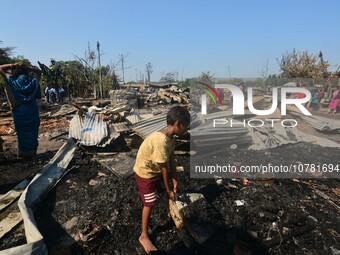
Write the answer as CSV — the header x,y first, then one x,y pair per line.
x,y
174,212
181,229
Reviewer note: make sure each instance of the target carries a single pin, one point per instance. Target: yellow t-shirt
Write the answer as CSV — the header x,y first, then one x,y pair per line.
x,y
156,149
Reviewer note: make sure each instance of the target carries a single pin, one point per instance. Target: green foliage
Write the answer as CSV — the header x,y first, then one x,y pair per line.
x,y
205,77
5,55
276,80
186,83
168,77
75,82
52,75
21,58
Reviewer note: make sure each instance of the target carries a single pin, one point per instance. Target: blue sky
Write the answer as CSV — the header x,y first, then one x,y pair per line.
x,y
187,37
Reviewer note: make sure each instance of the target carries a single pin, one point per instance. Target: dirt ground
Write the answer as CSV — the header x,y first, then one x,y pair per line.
x,y
289,217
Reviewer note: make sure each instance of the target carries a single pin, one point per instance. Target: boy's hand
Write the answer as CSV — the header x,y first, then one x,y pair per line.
x,y
171,195
177,186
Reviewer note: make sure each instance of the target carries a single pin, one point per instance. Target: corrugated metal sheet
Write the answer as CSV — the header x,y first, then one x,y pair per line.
x,y
196,120
120,127
322,123
133,117
157,123
92,130
146,127
113,135
318,122
206,136
147,116
76,125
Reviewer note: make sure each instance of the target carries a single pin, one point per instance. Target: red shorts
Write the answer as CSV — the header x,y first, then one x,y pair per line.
x,y
148,189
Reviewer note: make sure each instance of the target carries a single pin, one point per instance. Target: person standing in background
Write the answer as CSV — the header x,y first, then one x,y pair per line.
x,y
333,105
22,89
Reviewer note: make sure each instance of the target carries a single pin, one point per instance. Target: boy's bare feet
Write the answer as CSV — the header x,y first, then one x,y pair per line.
x,y
147,244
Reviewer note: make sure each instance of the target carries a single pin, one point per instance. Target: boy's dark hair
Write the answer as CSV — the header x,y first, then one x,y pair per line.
x,y
177,113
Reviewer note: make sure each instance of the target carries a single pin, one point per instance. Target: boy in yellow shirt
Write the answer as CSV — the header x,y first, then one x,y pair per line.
x,y
155,161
